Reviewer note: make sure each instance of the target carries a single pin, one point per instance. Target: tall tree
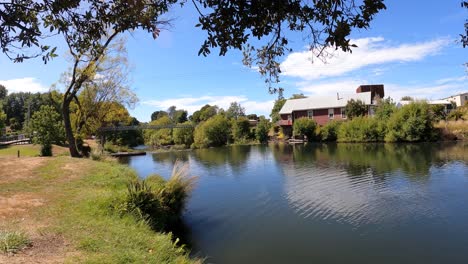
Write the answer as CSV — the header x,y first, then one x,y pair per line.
x,y
235,111
89,26
229,24
110,87
355,108
276,108
158,114
3,92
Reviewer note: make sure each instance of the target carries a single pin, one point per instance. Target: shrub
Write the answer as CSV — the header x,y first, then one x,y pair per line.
x,y
329,132
385,109
96,155
261,132
159,202
159,137
355,108
438,112
183,136
360,129
305,127
240,129
47,128
12,242
212,133
413,122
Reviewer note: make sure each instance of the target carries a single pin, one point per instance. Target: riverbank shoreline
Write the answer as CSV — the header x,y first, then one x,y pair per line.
x,y
63,206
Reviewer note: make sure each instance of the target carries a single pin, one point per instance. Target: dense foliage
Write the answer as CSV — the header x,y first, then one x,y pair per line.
x,y
183,136
205,113
305,127
360,129
235,111
47,128
212,133
329,132
261,131
413,122
385,109
240,129
275,117
159,137
355,108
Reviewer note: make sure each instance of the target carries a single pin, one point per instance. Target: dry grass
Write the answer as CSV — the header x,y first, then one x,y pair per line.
x,y
454,129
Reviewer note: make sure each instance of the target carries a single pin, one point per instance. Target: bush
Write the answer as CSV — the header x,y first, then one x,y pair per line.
x,y
159,202
305,127
361,129
329,132
212,133
12,242
385,109
183,136
240,129
96,155
159,137
46,150
48,129
261,132
355,108
411,123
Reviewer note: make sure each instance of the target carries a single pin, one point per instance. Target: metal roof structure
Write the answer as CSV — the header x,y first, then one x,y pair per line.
x,y
323,102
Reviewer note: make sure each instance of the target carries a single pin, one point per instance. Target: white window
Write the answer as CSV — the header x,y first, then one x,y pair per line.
x,y
331,113
289,117
343,113
310,114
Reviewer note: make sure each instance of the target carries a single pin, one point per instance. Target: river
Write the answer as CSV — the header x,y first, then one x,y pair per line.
x,y
325,203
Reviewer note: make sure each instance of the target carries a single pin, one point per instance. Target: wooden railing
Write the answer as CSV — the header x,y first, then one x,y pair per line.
x,y
285,122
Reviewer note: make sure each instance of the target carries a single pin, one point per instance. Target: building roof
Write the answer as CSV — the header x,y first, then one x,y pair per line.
x,y
460,94
432,102
322,102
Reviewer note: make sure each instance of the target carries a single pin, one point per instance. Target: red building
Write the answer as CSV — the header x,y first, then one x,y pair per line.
x,y
325,108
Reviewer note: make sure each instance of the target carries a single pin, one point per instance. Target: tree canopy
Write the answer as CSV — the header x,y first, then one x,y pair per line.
x,y
228,24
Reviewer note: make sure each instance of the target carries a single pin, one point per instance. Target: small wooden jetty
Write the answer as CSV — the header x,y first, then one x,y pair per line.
x,y
127,154
295,141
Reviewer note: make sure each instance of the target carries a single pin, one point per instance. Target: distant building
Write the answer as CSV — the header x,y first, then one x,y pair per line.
x,y
459,99
325,108
448,106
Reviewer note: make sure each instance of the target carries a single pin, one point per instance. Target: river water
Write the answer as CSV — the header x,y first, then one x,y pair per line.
x,y
325,203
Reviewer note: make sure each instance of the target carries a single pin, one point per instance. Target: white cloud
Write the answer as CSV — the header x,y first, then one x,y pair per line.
x,y
327,88
27,84
436,90
370,51
192,104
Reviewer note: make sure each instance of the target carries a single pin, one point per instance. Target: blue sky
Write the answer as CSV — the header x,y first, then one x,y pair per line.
x,y
411,48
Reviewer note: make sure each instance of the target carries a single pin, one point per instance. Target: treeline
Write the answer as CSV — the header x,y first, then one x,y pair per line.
x,y
413,122
210,126
39,115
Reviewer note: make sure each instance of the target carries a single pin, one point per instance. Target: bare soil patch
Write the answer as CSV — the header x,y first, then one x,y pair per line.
x,y
13,169
18,210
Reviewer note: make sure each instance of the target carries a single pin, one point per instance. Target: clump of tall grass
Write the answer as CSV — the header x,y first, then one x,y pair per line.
x,y
12,242
158,202
96,155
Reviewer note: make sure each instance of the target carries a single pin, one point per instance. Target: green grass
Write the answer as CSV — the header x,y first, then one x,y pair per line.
x,y
31,150
82,213
12,242
25,150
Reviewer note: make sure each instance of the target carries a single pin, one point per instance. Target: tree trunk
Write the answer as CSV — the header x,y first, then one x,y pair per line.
x,y
68,129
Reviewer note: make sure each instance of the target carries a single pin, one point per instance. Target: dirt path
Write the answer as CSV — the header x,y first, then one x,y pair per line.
x,y
20,209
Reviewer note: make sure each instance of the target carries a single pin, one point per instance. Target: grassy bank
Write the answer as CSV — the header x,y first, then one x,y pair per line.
x,y
75,214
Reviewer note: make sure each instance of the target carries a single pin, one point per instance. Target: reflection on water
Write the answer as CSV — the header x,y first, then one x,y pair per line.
x,y
325,203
